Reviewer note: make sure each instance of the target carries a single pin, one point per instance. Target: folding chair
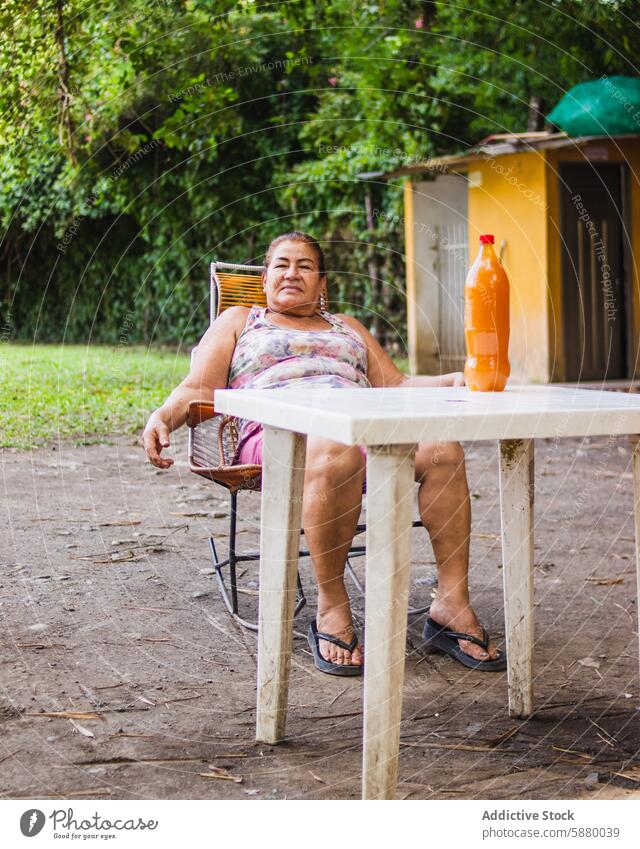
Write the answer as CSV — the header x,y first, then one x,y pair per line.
x,y
213,440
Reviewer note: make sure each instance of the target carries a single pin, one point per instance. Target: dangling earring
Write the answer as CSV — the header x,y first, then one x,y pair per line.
x,y
323,301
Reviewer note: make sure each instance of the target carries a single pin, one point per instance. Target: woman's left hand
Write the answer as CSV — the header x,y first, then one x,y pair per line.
x,y
456,378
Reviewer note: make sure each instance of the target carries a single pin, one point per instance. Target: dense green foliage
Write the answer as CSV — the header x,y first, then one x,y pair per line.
x,y
141,138
52,392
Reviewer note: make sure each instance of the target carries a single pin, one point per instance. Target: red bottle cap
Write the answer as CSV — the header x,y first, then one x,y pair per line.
x,y
486,240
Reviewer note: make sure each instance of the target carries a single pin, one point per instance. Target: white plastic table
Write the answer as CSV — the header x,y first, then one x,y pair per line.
x,y
390,422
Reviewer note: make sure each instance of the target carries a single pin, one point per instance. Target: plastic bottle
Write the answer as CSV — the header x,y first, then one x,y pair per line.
x,y
486,321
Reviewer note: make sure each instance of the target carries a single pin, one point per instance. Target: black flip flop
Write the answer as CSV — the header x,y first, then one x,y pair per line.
x,y
441,638
323,665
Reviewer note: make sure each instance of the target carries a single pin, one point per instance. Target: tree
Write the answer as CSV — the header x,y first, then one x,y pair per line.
x,y
140,139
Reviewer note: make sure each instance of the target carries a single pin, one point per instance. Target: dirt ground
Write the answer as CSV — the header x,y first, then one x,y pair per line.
x,y
108,607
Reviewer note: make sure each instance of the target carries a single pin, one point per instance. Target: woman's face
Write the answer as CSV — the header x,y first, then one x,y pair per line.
x,y
292,281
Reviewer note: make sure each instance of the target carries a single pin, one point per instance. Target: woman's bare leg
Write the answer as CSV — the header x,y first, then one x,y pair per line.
x,y
334,474
445,511
332,500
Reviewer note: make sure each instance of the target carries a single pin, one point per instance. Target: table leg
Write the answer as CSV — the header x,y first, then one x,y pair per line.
x,y
516,507
282,485
635,444
390,474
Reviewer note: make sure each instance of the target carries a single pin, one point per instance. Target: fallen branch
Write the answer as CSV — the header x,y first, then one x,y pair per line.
x,y
131,761
67,714
605,582
462,746
132,734
335,698
573,752
183,699
130,549
221,775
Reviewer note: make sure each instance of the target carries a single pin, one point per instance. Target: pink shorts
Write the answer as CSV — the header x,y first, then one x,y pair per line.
x,y
250,453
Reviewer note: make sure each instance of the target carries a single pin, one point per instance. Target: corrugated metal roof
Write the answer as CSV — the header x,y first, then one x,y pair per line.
x,y
500,144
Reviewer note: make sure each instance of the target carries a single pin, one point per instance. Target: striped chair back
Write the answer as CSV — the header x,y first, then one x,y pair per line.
x,y
235,285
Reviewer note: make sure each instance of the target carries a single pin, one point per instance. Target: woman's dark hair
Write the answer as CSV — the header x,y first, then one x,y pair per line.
x,y
296,236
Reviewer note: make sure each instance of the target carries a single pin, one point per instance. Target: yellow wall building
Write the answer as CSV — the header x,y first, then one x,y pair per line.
x,y
565,213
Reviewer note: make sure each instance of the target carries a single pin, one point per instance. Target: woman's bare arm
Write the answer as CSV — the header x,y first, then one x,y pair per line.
x,y
382,371
209,371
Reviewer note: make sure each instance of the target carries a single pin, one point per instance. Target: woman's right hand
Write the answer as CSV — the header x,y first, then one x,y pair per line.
x,y
209,371
155,437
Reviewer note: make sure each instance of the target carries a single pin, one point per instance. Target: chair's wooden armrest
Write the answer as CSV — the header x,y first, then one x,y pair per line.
x,y
200,411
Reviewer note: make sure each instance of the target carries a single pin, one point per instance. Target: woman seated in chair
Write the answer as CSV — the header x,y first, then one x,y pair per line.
x,y
294,341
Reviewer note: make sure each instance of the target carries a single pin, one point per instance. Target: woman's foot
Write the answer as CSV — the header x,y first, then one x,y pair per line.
x,y
460,616
334,618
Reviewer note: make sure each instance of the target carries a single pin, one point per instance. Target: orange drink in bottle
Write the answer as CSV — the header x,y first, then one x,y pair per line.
x,y
486,321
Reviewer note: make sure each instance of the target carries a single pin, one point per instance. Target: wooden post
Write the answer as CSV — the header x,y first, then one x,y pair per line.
x,y
536,118
282,486
390,474
516,506
376,326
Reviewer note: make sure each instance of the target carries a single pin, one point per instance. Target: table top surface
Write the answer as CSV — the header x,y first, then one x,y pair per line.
x,y
412,414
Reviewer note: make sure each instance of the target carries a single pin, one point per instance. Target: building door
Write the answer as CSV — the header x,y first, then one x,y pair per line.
x,y
593,285
452,263
439,262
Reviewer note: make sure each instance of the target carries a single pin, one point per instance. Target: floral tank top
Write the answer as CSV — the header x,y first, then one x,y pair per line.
x,y
270,357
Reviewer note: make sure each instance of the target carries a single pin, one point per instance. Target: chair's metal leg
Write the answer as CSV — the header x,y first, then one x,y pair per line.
x,y
232,552
357,551
349,570
301,598
417,611
217,565
230,594
214,553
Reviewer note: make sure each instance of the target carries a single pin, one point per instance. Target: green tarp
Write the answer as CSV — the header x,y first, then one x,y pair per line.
x,y
605,107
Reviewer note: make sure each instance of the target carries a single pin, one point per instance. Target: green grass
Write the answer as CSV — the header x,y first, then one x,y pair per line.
x,y
402,363
51,392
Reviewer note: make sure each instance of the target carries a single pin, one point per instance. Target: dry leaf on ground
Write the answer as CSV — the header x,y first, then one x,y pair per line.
x,y
589,662
80,729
